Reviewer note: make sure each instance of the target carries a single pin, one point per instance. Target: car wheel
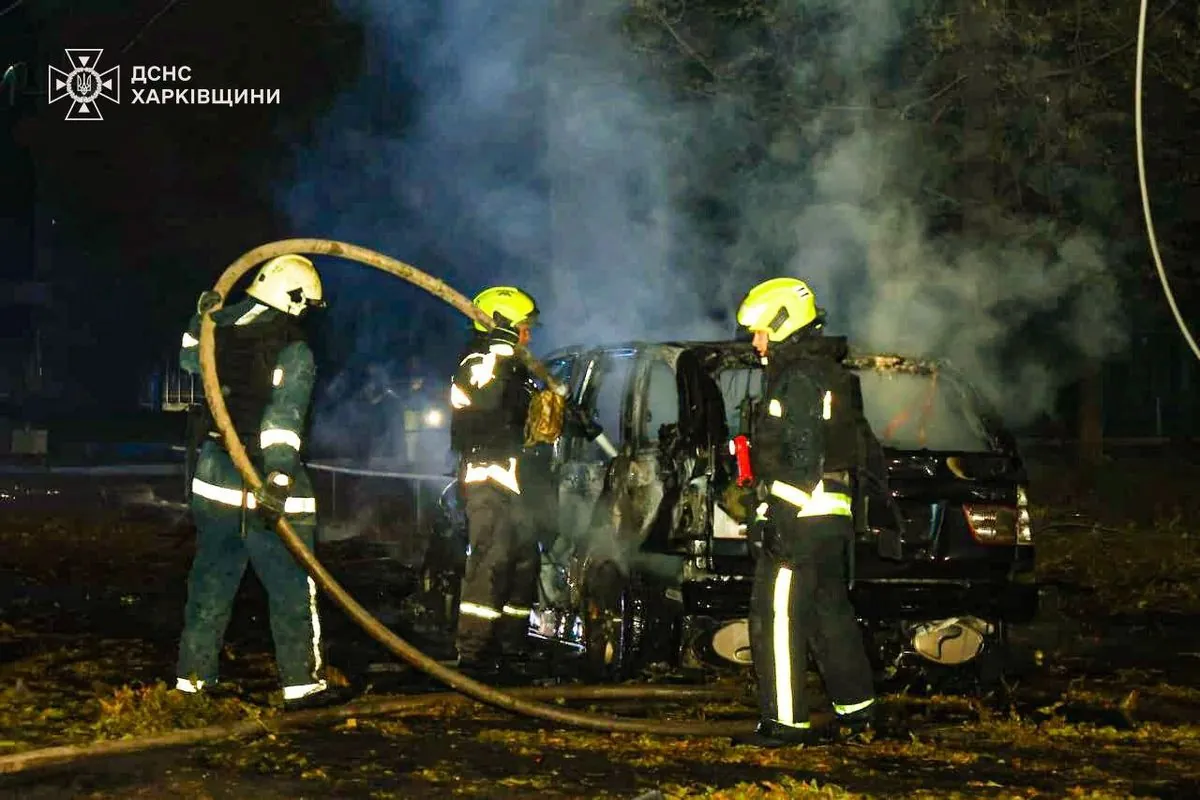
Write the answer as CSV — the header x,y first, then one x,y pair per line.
x,y
609,651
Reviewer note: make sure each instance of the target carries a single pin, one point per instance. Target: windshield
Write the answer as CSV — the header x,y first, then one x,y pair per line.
x,y
915,411
906,410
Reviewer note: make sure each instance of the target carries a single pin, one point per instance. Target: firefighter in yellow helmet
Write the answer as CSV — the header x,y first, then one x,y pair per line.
x,y
490,398
804,449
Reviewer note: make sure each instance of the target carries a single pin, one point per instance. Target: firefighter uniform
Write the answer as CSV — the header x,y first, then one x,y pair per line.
x,y
489,397
266,369
806,443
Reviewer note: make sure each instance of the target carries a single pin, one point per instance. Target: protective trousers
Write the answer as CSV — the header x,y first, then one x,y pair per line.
x,y
227,538
499,585
800,601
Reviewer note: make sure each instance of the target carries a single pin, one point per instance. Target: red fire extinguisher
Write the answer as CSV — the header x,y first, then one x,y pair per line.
x,y
739,448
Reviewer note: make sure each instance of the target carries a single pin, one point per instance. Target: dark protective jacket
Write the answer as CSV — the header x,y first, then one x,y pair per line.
x,y
267,373
810,425
489,399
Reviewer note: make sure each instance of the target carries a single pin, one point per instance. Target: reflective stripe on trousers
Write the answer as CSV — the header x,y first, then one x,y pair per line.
x,y
486,612
817,504
238,498
842,711
781,643
505,476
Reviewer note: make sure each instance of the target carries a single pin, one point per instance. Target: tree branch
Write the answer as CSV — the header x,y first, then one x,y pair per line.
x,y
1121,48
12,7
683,44
904,111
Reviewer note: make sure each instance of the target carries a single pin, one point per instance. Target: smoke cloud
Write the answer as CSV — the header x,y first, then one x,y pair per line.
x,y
521,143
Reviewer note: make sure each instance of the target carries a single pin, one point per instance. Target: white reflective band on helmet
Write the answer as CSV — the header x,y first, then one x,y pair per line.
x,y
844,710
818,504
827,406
458,398
506,477
750,315
274,436
303,690
190,341
251,315
236,497
517,611
476,610
775,408
277,377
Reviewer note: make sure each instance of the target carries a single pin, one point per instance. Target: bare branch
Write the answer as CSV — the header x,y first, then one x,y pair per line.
x,y
1121,48
904,111
11,7
683,44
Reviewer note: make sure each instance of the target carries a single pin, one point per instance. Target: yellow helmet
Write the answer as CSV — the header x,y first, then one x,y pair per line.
x,y
289,283
780,306
507,305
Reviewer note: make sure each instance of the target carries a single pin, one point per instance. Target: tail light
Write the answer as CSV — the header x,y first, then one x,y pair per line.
x,y
1024,528
993,524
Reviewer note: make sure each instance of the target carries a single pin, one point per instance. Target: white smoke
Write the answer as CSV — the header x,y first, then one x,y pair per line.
x,y
541,149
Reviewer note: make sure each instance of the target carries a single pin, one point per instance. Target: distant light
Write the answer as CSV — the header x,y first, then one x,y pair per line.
x,y
433,418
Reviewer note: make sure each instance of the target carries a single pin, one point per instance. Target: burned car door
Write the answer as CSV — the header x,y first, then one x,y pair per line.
x,y
602,392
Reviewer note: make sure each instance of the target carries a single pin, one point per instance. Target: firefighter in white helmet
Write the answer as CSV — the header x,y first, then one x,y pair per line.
x,y
804,447
267,372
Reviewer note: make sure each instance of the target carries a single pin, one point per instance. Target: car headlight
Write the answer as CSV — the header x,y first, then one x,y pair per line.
x,y
433,418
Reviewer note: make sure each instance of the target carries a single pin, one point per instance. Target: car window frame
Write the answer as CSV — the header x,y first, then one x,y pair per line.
x,y
595,363
648,359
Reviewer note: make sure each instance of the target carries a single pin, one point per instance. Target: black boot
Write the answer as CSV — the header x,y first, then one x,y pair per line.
x,y
330,696
849,726
771,735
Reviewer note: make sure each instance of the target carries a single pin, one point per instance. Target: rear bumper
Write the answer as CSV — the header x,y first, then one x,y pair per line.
x,y
882,600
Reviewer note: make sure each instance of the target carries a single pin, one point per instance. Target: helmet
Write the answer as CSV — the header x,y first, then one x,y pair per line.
x,y
507,305
289,283
780,306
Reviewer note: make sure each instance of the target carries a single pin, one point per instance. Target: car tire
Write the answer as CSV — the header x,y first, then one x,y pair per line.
x,y
609,650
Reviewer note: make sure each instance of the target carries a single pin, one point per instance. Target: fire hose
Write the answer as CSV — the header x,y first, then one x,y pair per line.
x,y
1139,132
510,701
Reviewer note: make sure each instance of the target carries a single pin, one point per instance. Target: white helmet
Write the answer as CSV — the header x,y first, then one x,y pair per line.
x,y
289,283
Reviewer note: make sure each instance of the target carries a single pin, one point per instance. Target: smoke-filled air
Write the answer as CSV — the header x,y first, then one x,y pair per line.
x,y
520,142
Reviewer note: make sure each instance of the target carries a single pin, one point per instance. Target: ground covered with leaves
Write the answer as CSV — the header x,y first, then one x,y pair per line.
x,y
1102,698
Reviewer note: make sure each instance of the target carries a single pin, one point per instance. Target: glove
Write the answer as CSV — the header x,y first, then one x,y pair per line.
x,y
272,498
582,424
208,301
756,529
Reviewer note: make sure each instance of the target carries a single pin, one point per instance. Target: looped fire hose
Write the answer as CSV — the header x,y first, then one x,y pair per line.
x,y
372,626
1139,137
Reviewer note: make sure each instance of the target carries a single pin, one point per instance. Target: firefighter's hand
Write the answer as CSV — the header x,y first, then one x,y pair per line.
x,y
756,528
739,502
272,497
208,301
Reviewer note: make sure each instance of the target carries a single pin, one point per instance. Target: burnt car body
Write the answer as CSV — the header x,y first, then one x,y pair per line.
x,y
648,559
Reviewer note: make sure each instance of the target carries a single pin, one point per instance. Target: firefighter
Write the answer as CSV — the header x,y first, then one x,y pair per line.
x,y
804,448
266,371
489,397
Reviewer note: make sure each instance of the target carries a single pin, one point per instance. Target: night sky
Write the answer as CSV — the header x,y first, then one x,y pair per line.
x,y
138,213
129,219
